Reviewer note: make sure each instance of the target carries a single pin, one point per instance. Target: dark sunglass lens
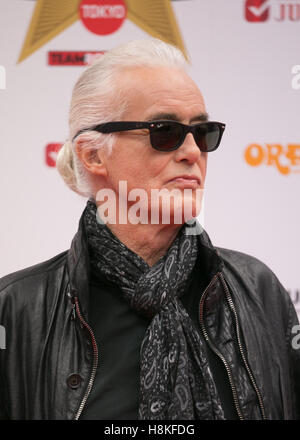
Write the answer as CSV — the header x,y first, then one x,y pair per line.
x,y
207,136
165,137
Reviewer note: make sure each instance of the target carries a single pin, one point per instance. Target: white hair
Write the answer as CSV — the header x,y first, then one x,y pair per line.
x,y
96,98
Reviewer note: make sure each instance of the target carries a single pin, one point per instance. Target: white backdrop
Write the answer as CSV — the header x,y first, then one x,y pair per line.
x,y
248,73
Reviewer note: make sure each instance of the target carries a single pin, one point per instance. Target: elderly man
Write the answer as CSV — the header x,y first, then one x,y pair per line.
x,y
145,319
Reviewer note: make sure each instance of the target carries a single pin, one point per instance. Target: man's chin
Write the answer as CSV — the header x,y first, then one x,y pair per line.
x,y
180,215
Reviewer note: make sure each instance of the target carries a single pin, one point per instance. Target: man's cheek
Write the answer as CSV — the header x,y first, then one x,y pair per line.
x,y
203,168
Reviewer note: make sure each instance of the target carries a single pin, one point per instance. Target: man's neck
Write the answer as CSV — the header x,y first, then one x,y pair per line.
x,y
150,242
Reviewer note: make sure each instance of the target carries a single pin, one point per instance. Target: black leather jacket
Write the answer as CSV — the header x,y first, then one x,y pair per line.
x,y
49,364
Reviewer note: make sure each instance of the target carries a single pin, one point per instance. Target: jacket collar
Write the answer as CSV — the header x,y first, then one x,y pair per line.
x,y
208,256
79,268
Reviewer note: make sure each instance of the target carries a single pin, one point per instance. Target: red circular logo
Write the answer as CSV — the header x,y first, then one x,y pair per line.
x,y
102,17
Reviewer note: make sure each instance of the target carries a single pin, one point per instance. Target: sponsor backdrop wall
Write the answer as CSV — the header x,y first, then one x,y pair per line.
x,y
244,57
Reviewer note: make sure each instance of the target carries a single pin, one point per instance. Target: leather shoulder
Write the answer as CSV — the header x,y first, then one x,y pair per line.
x,y
32,278
254,281
246,265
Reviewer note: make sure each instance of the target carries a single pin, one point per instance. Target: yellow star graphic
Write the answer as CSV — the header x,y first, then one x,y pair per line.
x,y
51,17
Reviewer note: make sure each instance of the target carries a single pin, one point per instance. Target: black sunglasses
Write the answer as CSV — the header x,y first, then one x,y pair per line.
x,y
169,135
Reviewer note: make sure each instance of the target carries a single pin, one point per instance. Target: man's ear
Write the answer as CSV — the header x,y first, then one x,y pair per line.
x,y
93,160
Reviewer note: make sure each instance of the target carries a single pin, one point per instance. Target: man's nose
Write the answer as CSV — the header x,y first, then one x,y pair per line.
x,y
189,150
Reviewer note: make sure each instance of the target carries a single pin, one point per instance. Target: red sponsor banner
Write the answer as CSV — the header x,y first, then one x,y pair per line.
x,y
72,58
102,17
51,152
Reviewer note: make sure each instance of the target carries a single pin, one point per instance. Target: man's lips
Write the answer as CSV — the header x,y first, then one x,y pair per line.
x,y
186,179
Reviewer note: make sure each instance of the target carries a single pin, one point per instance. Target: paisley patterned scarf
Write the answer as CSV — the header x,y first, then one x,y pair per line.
x,y
175,379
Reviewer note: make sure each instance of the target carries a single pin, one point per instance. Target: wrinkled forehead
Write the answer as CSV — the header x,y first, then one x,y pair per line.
x,y
151,91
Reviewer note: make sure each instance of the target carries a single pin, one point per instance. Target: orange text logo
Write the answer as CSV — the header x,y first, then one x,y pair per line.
x,y
285,159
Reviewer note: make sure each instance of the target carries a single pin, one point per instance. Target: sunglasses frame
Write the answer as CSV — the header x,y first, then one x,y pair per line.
x,y
118,126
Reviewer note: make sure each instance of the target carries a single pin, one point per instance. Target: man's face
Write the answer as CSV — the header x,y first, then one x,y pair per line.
x,y
158,93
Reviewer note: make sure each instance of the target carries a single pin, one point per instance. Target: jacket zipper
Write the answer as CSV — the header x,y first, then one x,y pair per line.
x,y
232,307
216,351
95,359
